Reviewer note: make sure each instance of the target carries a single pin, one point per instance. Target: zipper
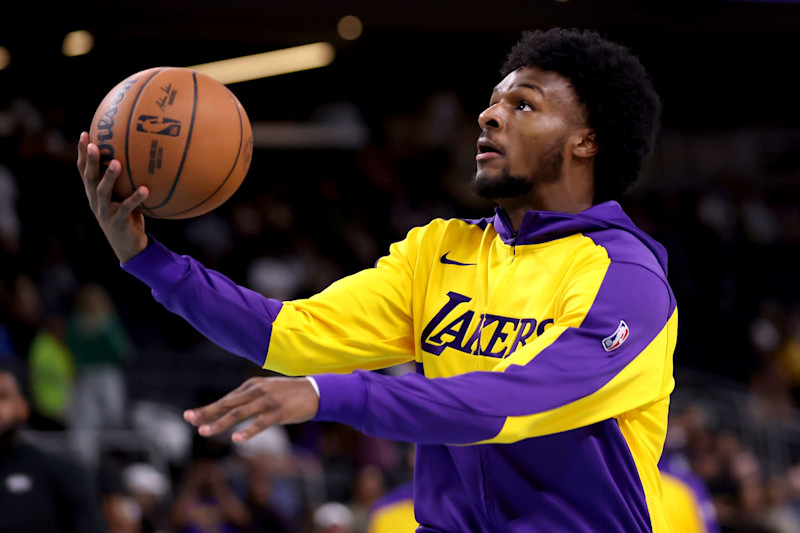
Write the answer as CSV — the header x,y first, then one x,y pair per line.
x,y
489,507
514,246
514,234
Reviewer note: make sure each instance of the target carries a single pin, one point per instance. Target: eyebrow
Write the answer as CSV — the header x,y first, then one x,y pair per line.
x,y
531,86
526,85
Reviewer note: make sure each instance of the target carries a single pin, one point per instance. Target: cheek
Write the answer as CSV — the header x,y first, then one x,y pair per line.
x,y
531,148
524,157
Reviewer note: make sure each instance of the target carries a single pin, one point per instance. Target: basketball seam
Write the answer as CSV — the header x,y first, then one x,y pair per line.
x,y
185,149
230,172
128,131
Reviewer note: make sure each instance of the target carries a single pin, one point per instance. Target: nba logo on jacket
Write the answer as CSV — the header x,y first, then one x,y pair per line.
x,y
615,340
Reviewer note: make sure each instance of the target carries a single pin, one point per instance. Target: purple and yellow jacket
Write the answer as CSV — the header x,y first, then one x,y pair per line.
x,y
544,363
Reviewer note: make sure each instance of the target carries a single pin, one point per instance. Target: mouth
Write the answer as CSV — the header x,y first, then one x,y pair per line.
x,y
488,150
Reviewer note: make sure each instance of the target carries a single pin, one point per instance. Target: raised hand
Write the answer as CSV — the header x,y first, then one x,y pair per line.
x,y
121,222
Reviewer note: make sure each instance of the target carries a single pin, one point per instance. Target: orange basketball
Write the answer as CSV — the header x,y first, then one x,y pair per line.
x,y
179,132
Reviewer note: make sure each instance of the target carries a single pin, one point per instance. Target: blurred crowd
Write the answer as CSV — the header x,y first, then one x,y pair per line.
x,y
108,371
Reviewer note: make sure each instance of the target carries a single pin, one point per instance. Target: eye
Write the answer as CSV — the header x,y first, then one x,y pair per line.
x,y
524,106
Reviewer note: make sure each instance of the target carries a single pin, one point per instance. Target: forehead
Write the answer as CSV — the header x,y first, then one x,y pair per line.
x,y
551,85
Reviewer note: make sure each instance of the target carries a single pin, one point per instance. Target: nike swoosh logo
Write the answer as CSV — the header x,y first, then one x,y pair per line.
x,y
446,261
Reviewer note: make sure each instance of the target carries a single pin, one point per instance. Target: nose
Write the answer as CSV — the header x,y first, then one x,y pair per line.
x,y
491,118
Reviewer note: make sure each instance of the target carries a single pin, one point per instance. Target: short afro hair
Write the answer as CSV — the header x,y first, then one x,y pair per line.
x,y
618,96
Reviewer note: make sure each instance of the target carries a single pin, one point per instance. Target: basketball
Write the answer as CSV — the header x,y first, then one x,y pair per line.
x,y
179,132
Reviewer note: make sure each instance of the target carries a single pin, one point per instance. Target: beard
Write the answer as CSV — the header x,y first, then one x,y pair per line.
x,y
508,185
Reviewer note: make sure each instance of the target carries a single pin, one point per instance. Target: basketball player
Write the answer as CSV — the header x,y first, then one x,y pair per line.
x,y
543,334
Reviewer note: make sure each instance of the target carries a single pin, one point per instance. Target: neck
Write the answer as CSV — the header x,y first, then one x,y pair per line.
x,y
558,196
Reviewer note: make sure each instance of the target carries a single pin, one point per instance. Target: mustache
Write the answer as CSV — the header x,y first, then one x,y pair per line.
x,y
486,135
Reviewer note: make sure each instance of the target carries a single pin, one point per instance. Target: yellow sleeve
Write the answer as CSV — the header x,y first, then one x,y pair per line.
x,y
363,321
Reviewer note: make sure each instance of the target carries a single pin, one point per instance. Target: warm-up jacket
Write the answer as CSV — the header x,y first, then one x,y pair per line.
x,y
543,356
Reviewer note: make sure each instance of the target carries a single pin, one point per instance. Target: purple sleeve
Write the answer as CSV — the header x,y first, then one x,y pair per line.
x,y
409,408
234,317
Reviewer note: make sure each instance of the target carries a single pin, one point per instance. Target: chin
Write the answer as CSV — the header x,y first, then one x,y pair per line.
x,y
486,178
481,184
502,185
484,174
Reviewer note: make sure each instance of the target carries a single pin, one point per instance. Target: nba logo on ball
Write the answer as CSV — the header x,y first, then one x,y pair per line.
x,y
614,341
158,125
178,132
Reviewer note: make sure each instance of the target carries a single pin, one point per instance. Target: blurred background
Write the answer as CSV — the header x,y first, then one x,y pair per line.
x,y
349,157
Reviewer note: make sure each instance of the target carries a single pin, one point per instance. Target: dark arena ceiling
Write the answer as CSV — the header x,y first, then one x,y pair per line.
x,y
716,63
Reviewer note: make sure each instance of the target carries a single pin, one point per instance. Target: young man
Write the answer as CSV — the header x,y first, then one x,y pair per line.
x,y
543,335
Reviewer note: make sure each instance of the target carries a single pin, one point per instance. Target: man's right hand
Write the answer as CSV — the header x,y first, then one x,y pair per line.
x,y
121,222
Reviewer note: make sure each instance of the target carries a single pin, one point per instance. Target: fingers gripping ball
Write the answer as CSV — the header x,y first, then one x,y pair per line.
x,y
180,133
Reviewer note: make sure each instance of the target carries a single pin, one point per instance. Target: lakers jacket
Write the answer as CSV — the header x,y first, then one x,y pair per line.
x,y
543,356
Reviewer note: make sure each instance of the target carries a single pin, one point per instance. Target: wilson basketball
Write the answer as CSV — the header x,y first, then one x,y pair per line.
x,y
179,132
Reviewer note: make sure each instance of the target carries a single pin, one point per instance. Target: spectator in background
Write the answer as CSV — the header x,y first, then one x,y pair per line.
x,y
779,513
99,344
121,511
788,353
394,511
9,219
24,314
271,482
205,502
36,341
267,517
685,494
7,350
686,498
333,517
39,491
52,374
369,485
150,489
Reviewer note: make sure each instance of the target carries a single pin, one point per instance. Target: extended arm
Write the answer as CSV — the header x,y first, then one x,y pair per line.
x,y
563,380
361,321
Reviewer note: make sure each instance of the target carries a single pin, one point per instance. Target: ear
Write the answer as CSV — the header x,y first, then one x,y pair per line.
x,y
584,143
